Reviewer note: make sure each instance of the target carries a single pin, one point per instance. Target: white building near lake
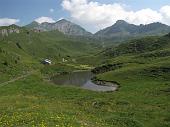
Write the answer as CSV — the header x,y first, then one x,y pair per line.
x,y
47,61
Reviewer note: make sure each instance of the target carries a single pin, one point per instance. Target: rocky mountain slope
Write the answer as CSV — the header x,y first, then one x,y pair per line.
x,y
5,31
64,26
122,30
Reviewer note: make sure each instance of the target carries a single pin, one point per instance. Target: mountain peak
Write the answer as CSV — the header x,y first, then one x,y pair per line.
x,y
63,21
62,25
124,30
34,22
120,22
14,25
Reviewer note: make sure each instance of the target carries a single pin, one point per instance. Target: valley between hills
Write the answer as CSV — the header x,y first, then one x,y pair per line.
x,y
135,58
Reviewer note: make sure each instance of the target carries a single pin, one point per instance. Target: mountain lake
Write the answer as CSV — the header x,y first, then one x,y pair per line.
x,y
83,80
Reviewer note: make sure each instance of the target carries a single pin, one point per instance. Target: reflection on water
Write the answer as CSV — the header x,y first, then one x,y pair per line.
x,y
75,79
81,79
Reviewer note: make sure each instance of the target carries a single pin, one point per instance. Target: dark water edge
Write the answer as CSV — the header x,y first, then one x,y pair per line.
x,y
83,79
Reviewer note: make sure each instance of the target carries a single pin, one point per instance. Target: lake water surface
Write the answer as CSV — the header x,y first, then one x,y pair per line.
x,y
81,79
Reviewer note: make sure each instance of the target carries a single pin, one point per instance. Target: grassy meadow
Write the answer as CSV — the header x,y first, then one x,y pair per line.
x,y
29,99
142,100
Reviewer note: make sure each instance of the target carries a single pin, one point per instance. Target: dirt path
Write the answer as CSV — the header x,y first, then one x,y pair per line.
x,y
17,78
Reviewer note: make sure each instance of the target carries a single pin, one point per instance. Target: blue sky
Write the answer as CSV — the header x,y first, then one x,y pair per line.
x,y
139,4
28,10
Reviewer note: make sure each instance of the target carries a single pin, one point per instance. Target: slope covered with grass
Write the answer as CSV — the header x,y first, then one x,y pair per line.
x,y
141,100
144,77
24,50
141,67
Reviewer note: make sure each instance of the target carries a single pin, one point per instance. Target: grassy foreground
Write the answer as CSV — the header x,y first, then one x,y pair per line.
x,y
141,101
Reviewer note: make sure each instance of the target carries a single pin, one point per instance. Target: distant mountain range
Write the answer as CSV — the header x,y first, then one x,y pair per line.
x,y
122,30
63,26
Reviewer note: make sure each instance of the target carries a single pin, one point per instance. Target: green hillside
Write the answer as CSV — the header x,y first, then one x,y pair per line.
x,y
141,67
44,44
24,51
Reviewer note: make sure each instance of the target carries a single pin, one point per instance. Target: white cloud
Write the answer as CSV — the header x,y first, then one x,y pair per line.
x,y
165,11
45,19
144,16
51,10
8,21
100,15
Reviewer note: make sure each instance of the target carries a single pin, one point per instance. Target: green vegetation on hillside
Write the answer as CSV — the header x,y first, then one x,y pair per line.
x,y
24,51
28,98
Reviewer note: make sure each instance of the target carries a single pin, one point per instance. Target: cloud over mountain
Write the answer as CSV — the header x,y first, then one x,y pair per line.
x,y
165,11
45,19
103,15
8,21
